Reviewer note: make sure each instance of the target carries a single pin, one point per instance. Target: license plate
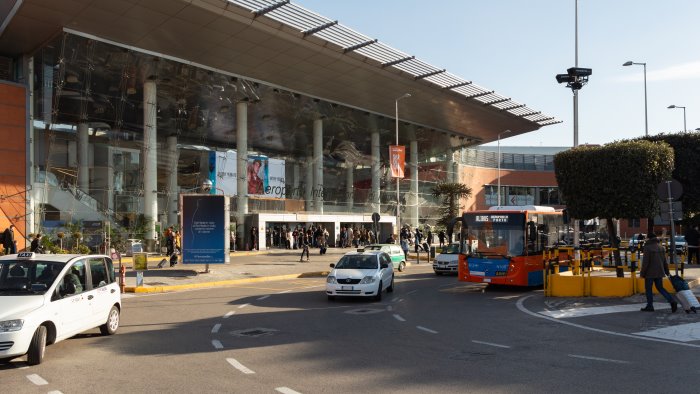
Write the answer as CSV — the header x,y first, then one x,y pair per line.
x,y
346,288
487,280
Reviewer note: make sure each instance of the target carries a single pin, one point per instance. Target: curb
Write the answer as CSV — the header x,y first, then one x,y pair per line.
x,y
221,283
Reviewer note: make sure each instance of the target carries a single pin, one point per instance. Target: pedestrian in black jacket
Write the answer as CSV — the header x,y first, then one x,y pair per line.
x,y
654,269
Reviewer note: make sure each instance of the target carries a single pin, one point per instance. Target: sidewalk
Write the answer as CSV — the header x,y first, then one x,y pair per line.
x,y
245,267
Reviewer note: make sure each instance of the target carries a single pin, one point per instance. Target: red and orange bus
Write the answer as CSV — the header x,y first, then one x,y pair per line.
x,y
505,244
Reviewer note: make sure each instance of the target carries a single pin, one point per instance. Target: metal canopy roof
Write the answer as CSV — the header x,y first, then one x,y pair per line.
x,y
282,44
349,40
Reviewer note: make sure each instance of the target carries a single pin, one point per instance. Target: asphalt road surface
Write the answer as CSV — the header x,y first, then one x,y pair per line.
x,y
431,335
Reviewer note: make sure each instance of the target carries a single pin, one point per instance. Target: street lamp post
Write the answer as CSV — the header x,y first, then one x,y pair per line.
x,y
646,118
678,106
499,166
398,200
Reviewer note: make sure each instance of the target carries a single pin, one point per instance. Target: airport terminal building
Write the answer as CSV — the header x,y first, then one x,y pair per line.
x,y
110,110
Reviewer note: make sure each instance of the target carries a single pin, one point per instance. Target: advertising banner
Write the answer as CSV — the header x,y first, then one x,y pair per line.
x,y
226,173
204,226
397,155
276,179
258,172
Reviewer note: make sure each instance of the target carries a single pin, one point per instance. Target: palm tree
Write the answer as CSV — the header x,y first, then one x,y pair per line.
x,y
450,194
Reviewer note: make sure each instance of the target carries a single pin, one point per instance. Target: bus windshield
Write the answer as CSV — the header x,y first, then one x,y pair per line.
x,y
501,234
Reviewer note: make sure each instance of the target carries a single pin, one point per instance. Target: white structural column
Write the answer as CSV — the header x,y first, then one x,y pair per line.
x,y
414,183
450,166
318,165
376,156
173,199
296,174
349,187
32,200
83,165
150,159
309,184
242,169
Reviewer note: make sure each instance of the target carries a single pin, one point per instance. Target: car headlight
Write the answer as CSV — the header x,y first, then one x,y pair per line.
x,y
11,325
331,280
367,280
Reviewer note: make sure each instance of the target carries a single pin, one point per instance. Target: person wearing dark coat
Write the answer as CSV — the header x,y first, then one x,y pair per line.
x,y
9,240
654,269
36,244
692,239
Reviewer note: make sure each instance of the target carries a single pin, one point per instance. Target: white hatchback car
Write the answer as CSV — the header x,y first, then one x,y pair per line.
x,y
45,298
361,274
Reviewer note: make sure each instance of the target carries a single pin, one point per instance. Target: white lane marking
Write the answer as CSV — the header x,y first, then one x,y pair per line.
x,y
599,310
491,344
522,308
399,318
263,297
55,392
37,380
394,299
683,332
216,328
242,306
389,308
426,329
286,291
608,360
239,366
411,292
286,390
217,344
229,314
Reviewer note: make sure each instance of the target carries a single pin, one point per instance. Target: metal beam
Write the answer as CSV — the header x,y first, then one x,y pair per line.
x,y
267,9
426,75
481,94
395,62
319,28
457,85
530,114
503,100
360,45
513,107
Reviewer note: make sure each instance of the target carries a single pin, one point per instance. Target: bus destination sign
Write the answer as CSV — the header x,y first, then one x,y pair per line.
x,y
491,218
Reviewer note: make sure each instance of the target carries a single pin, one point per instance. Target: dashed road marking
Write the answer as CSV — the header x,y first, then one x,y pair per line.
x,y
399,318
239,366
285,291
411,292
229,314
491,344
217,344
286,390
263,297
608,360
242,306
389,308
37,380
426,329
216,328
55,392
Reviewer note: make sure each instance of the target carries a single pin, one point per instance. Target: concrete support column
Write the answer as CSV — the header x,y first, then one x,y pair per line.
x,y
110,178
173,199
318,165
309,184
150,159
450,166
296,178
32,219
414,183
349,188
376,156
242,170
83,165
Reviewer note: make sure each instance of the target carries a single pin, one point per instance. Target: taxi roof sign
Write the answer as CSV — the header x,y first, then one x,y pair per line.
x,y
25,255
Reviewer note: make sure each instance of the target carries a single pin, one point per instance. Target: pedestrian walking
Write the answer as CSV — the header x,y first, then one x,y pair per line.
x,y
654,269
692,239
441,238
304,240
9,240
404,246
36,244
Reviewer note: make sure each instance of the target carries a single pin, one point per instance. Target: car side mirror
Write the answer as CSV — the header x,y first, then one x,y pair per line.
x,y
384,265
332,265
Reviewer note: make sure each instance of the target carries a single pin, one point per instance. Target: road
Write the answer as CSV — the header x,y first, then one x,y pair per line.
x,y
432,335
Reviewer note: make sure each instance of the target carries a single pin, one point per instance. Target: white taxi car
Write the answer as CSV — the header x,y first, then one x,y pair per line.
x,y
46,298
447,261
361,274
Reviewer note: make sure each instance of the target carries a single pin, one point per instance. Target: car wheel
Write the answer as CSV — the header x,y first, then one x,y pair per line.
x,y
402,266
378,297
331,298
37,347
110,327
390,289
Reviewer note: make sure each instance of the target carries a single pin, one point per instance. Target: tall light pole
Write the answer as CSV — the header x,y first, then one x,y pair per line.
x,y
499,166
678,106
646,118
398,198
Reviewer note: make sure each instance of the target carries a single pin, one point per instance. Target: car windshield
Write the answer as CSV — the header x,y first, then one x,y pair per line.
x,y
28,277
451,249
679,238
373,247
357,261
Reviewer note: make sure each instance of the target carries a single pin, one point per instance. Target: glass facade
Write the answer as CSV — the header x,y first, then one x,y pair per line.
x,y
93,103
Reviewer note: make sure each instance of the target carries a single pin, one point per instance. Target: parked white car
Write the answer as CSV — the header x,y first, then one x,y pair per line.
x,y
447,262
361,274
47,298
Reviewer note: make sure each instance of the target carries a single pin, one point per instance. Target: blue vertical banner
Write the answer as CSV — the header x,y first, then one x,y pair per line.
x,y
204,229
212,172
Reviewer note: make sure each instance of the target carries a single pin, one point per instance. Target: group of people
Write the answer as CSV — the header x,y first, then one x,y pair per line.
x,y
356,237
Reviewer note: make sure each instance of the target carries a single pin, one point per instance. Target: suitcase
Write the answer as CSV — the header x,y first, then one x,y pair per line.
x,y
323,250
162,263
688,301
678,283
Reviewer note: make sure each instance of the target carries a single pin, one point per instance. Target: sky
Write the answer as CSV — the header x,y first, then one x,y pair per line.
x,y
516,47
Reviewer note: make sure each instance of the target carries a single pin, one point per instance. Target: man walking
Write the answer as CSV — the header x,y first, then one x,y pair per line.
x,y
654,269
9,240
692,239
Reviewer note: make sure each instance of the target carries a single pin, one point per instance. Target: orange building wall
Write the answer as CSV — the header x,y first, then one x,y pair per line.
x,y
13,167
477,177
